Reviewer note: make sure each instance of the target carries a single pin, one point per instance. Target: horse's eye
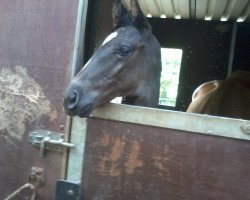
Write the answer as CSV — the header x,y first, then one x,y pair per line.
x,y
124,50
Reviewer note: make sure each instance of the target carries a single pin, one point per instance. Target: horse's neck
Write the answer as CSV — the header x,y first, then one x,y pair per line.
x,y
147,94
140,101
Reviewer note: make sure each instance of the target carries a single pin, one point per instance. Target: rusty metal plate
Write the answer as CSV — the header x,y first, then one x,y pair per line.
x,y
129,161
37,42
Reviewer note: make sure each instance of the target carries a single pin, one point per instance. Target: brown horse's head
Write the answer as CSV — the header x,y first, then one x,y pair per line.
x,y
127,64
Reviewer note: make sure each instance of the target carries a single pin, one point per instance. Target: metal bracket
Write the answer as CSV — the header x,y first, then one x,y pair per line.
x,y
66,190
47,140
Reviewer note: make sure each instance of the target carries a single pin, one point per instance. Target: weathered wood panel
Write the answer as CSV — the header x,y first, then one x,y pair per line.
x,y
37,42
131,161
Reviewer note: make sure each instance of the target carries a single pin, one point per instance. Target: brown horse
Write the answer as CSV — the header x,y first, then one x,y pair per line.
x,y
228,98
128,64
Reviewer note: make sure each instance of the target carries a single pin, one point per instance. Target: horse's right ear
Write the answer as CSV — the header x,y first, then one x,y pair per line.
x,y
121,17
139,20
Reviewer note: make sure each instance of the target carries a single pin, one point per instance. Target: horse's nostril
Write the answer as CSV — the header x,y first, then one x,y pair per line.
x,y
72,100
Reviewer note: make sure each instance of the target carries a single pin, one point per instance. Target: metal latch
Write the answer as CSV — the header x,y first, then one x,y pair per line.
x,y
48,140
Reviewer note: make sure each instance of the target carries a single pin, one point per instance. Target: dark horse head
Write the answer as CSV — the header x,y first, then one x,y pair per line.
x,y
128,65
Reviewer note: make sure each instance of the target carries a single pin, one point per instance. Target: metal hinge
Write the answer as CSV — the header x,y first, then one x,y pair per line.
x,y
48,140
66,190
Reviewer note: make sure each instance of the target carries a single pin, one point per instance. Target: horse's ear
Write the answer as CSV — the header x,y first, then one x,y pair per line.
x,y
139,19
121,17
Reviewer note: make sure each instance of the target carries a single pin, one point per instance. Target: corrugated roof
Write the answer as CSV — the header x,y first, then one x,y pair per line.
x,y
224,10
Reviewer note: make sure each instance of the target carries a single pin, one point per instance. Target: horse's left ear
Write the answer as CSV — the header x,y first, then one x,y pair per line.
x,y
121,17
139,19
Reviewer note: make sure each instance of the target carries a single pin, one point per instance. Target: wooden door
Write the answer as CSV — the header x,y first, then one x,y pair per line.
x,y
36,52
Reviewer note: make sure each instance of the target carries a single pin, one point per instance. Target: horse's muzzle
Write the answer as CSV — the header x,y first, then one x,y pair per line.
x,y
77,103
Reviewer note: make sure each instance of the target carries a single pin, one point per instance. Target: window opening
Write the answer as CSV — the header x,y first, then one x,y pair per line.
x,y
171,65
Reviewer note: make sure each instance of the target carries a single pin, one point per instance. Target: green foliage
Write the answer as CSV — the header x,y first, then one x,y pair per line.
x,y
165,84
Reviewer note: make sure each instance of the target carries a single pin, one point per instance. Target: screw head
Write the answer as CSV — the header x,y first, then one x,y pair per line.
x,y
70,192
